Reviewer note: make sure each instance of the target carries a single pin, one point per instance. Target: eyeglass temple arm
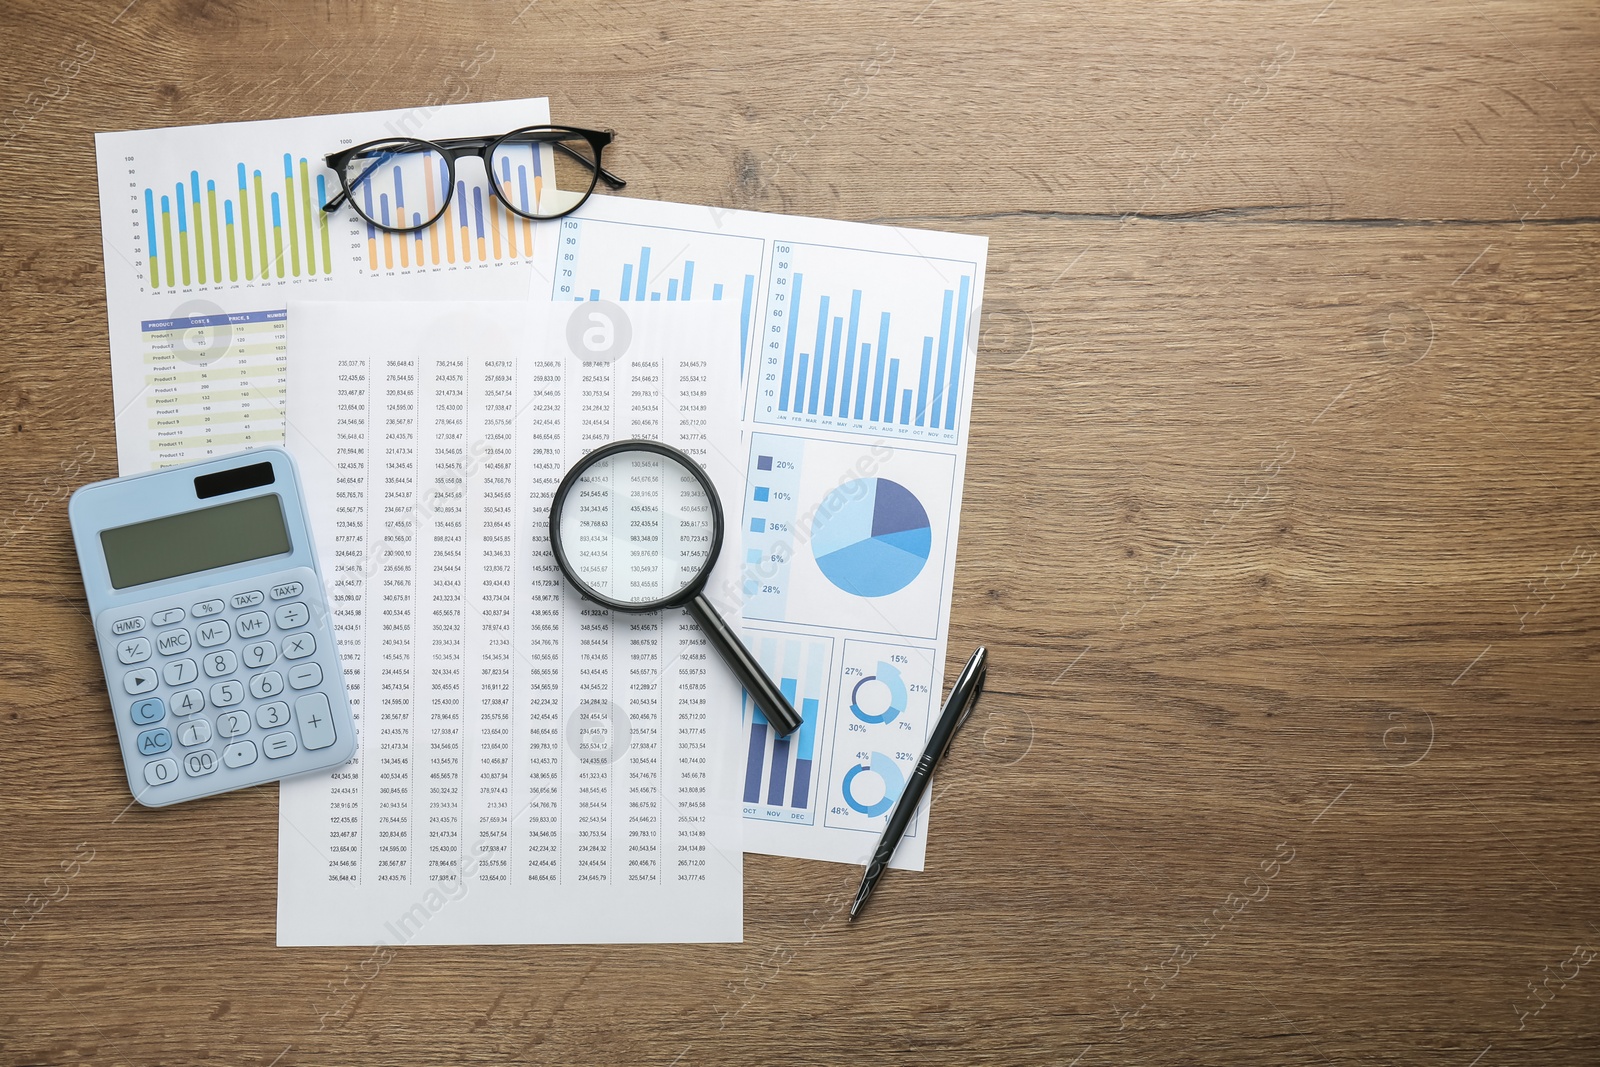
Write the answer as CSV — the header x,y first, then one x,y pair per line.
x,y
343,195
610,179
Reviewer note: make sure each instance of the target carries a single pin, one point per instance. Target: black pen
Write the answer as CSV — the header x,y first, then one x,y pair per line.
x,y
963,696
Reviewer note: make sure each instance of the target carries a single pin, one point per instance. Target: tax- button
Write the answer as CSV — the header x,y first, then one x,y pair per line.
x,y
316,720
277,746
292,616
246,600
253,624
144,679
286,590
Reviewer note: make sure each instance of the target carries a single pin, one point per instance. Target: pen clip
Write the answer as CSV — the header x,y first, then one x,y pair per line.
x,y
972,701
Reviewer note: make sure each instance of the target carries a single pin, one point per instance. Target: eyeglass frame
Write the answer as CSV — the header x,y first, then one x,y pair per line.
x,y
452,148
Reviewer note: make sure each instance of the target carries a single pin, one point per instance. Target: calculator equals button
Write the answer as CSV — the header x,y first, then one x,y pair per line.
x,y
277,746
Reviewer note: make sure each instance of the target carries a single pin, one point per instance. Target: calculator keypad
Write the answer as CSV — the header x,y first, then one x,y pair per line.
x,y
234,683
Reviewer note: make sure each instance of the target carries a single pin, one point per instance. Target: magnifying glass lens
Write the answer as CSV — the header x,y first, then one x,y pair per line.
x,y
638,527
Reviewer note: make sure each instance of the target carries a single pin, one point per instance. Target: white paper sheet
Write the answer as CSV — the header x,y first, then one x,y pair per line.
x,y
197,336
532,767
855,438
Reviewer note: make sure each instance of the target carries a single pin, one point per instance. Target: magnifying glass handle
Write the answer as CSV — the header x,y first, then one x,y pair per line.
x,y
779,712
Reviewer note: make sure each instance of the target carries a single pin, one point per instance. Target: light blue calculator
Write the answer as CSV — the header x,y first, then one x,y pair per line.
x,y
213,626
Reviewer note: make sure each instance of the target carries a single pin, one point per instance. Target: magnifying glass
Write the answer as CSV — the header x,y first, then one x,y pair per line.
x,y
637,526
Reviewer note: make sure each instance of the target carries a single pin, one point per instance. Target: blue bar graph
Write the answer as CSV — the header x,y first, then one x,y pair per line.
x,y
779,776
823,365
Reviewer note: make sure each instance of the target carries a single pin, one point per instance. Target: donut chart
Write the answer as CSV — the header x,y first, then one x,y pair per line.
x,y
871,537
888,675
888,772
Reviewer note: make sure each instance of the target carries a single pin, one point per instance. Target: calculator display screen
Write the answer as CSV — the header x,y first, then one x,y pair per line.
x,y
175,545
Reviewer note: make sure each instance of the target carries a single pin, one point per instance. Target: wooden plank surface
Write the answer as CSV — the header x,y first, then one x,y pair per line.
x,y
1281,528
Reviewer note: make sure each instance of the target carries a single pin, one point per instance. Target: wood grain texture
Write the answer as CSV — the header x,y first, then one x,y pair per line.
x,y
1281,528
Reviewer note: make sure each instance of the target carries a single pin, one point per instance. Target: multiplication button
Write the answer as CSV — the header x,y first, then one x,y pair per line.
x,y
299,646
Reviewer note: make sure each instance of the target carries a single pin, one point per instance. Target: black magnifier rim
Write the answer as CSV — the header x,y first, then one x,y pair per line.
x,y
559,501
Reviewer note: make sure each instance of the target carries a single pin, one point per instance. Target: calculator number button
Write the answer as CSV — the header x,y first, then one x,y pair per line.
x,y
160,772
266,684
218,664
212,633
286,590
154,742
233,723
134,650
305,675
201,763
207,608
188,702
227,694
299,646
127,626
260,653
171,642
315,719
239,754
180,672
253,624
192,732
271,715
146,711
140,681
277,746
292,616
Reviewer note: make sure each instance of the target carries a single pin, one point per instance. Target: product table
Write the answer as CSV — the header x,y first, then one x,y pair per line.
x,y
1280,526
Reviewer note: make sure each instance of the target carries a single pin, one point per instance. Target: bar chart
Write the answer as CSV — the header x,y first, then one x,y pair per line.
x,y
475,227
780,772
885,695
872,342
195,234
626,262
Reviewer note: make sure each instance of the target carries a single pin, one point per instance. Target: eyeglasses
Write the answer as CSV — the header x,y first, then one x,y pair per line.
x,y
404,184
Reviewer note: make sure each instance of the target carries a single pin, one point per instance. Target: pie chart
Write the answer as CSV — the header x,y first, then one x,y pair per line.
x,y
871,537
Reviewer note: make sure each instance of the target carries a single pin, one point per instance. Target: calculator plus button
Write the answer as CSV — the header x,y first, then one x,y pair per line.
x,y
201,763
271,715
292,616
171,642
207,608
212,633
134,650
277,746
127,626
239,754
167,617
192,732
140,681
316,720
233,723
305,675
299,646
154,742
260,653
227,694
286,590
246,600
160,772
266,684
146,711
180,672
188,702
220,663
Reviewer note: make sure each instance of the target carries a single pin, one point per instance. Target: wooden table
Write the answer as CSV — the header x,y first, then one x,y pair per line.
x,y
1280,526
